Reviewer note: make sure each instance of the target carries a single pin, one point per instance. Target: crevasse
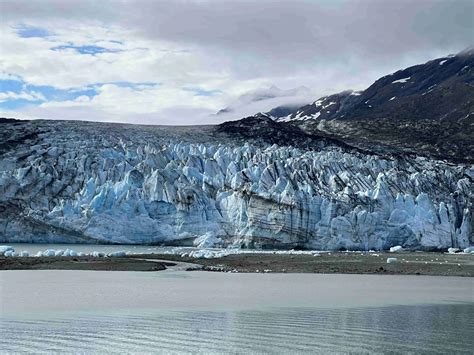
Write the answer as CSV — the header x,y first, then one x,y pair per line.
x,y
117,184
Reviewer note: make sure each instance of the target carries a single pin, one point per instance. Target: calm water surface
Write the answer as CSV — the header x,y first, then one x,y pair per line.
x,y
33,248
202,312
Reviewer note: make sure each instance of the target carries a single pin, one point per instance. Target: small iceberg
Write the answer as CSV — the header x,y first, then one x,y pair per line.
x,y
69,252
98,254
117,254
54,252
396,249
392,260
5,248
469,250
208,254
49,252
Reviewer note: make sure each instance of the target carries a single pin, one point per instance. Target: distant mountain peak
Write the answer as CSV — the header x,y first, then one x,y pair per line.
x,y
263,99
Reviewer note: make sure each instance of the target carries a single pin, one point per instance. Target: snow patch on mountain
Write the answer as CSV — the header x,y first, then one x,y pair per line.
x,y
401,81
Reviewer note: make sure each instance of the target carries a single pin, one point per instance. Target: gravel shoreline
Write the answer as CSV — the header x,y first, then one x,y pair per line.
x,y
81,263
409,263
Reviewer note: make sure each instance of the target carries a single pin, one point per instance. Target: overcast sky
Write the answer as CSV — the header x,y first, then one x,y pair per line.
x,y
179,62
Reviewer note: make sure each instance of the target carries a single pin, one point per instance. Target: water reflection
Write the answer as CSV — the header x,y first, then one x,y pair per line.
x,y
409,329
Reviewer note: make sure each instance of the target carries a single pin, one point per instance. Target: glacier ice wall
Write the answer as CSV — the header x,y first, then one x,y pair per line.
x,y
97,183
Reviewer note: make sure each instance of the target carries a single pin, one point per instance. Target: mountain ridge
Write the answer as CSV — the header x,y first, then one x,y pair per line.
x,y
425,109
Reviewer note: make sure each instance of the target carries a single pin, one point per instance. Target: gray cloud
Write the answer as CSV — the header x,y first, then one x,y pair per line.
x,y
310,29
297,30
327,45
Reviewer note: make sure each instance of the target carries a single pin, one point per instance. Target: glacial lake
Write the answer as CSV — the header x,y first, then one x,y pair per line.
x,y
33,248
204,312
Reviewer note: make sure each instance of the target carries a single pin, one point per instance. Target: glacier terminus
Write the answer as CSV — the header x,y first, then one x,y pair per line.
x,y
86,182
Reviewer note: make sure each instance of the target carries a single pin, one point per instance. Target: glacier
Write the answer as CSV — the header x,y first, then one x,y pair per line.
x,y
84,182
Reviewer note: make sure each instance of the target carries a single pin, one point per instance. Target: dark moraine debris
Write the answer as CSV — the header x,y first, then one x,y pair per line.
x,y
262,128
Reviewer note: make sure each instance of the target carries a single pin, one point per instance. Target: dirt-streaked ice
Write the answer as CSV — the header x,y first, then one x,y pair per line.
x,y
89,183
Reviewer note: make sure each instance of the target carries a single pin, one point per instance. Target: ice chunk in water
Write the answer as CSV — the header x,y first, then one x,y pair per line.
x,y
5,248
118,254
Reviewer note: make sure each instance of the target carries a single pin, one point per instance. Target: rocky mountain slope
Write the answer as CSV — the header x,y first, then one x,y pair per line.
x,y
250,183
426,109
